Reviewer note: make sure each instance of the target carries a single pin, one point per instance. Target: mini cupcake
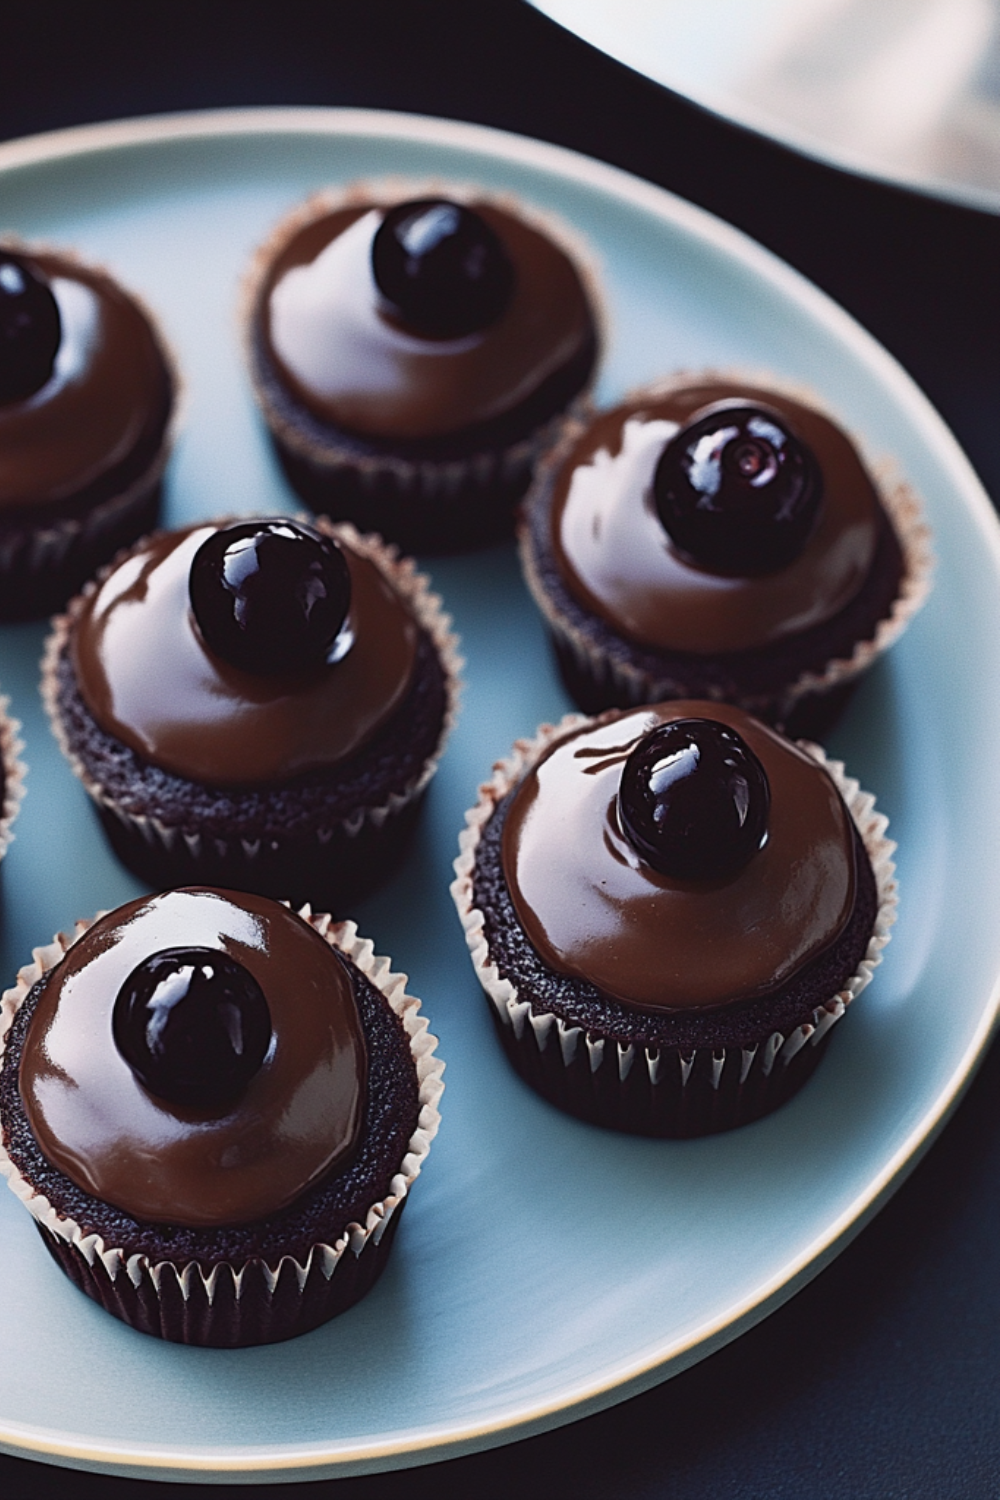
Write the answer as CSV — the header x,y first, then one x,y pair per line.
x,y
714,538
669,908
87,400
413,355
214,1109
258,705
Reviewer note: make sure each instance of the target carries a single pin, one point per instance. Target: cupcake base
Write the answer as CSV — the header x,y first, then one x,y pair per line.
x,y
328,868
800,683
810,716
443,505
688,1097
44,562
326,836
440,493
237,1310
673,1074
255,1283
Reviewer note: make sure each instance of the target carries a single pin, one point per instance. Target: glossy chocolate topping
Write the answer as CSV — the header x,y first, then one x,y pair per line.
x,y
616,558
149,679
338,349
109,395
593,909
299,1118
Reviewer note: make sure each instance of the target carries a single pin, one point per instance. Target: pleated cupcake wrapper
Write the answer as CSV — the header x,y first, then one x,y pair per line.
x,y
42,550
427,478
624,682
323,1259
411,586
14,772
430,479
666,1067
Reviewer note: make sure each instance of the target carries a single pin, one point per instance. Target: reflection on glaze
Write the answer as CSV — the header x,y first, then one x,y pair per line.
x,y
593,909
149,679
109,394
616,558
736,491
299,1118
693,800
193,1025
271,596
442,270
339,351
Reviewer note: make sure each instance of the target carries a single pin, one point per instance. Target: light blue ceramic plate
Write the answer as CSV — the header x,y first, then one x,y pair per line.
x,y
544,1269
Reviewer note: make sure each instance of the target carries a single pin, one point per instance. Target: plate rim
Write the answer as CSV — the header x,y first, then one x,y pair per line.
x,y
305,1461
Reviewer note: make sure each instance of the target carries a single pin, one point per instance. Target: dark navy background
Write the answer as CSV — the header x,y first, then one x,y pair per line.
x,y
881,1380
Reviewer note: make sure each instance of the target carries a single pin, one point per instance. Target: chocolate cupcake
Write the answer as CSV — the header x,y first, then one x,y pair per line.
x,y
87,400
715,538
669,908
214,1109
258,705
413,354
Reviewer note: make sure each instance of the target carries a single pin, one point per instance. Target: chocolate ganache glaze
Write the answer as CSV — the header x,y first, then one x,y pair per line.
x,y
592,908
98,422
617,559
341,351
148,677
298,1119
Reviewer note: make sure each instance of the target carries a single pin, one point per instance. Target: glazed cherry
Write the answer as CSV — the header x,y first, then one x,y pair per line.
x,y
270,596
193,1025
441,268
694,799
30,329
737,491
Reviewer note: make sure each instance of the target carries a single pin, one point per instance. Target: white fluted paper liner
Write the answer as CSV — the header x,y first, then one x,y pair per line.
x,y
14,771
44,549
516,1014
42,552
410,585
627,683
421,479
116,1260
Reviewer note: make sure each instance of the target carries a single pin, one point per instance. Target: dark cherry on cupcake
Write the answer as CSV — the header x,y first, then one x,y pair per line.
x,y
724,541
669,907
87,396
412,358
259,705
211,1084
